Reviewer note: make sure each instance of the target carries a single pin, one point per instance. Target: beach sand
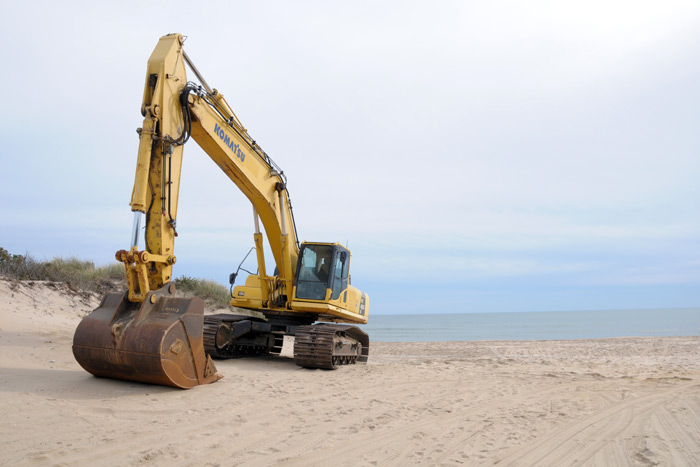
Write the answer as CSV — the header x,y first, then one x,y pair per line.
x,y
626,401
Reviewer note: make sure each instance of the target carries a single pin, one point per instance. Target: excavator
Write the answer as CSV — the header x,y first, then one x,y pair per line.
x,y
149,333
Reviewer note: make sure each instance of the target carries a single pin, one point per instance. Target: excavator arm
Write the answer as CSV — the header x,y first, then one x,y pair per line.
x,y
216,129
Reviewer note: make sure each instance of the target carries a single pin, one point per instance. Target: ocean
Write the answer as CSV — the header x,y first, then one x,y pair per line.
x,y
551,325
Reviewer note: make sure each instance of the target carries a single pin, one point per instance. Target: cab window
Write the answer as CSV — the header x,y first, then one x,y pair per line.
x,y
314,272
340,272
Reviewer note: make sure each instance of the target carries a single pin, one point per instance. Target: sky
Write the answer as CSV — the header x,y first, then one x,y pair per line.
x,y
475,156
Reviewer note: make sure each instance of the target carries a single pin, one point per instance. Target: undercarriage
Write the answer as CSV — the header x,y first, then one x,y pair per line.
x,y
321,345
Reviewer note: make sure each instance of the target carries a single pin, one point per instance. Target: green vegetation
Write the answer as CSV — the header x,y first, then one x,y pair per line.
x,y
77,274
83,276
214,295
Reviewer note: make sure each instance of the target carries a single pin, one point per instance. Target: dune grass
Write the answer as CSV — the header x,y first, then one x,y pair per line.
x,y
214,294
84,276
78,274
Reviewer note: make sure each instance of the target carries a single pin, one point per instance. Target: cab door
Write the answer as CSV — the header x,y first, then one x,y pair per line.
x,y
341,266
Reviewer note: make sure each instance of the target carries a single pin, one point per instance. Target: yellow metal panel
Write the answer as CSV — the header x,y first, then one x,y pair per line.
x,y
328,309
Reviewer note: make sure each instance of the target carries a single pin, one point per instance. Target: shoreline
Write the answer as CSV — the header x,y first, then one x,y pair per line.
x,y
688,336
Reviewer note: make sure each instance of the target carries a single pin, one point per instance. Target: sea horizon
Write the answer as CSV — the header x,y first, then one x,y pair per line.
x,y
534,325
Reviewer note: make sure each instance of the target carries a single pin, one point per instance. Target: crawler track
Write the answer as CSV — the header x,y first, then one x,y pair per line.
x,y
329,346
315,346
219,345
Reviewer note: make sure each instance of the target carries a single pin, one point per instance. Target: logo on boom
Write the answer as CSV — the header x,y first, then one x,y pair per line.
x,y
228,141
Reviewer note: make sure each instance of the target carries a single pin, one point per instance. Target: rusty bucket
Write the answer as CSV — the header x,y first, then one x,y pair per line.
x,y
159,341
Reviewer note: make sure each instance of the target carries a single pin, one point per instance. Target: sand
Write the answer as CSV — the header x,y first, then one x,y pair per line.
x,y
626,401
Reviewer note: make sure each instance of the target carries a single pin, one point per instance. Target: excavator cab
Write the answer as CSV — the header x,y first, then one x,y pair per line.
x,y
322,272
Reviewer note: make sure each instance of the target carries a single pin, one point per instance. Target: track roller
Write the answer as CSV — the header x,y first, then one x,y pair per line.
x,y
329,346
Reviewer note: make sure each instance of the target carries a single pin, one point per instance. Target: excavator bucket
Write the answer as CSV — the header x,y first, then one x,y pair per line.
x,y
159,341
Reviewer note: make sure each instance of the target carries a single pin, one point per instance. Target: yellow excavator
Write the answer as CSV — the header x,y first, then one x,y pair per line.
x,y
148,333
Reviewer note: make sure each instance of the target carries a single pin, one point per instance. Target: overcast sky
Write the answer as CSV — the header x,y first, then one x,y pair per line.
x,y
475,156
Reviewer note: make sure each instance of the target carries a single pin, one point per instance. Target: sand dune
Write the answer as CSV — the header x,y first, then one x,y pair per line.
x,y
627,401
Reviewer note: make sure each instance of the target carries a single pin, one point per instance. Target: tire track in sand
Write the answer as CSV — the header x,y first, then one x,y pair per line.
x,y
395,452
577,442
